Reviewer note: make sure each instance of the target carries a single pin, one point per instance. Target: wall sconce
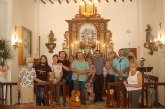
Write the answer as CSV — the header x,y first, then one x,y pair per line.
x,y
16,42
160,40
149,44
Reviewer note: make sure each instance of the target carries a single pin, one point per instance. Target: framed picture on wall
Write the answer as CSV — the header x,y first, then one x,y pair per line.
x,y
25,50
126,50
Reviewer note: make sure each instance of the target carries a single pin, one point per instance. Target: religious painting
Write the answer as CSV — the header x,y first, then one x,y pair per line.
x,y
88,36
25,50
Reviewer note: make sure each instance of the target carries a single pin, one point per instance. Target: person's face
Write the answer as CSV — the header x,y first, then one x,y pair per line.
x,y
132,67
97,53
89,61
62,55
121,53
80,56
55,59
71,59
111,56
43,59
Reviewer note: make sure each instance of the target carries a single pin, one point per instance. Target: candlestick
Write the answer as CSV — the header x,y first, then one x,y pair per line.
x,y
72,48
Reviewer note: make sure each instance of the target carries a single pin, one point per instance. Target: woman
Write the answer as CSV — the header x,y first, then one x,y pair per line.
x,y
26,78
43,72
57,71
90,96
108,65
134,85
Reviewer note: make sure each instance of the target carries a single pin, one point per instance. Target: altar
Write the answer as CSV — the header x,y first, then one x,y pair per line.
x,y
88,33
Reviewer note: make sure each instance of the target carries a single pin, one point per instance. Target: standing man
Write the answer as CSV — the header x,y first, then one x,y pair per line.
x,y
80,70
120,66
99,63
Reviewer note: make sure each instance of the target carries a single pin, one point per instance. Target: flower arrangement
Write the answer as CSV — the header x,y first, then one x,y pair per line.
x,y
91,44
82,45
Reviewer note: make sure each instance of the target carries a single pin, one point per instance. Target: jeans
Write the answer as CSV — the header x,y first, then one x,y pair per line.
x,y
81,87
40,95
70,83
57,94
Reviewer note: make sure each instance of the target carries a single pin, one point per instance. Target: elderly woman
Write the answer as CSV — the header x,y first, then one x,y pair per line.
x,y
134,85
26,78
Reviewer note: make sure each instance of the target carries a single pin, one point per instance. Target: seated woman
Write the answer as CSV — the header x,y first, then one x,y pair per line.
x,y
134,85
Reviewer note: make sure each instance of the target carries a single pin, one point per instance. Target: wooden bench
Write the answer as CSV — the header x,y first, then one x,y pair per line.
x,y
46,91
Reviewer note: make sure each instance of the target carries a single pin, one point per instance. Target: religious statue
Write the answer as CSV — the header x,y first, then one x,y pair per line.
x,y
51,37
51,45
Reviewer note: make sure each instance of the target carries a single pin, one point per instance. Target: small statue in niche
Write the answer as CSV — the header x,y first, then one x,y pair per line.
x,y
51,37
51,45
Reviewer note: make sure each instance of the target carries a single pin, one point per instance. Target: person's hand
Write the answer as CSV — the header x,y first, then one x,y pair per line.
x,y
58,79
124,82
120,73
90,81
55,82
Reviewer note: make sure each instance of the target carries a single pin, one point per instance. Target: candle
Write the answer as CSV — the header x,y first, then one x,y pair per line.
x,y
97,46
77,45
72,48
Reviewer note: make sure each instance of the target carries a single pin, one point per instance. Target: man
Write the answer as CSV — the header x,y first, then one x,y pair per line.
x,y
99,63
120,66
80,68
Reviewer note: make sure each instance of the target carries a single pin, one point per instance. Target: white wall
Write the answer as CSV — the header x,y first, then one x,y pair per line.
x,y
152,13
51,19
23,14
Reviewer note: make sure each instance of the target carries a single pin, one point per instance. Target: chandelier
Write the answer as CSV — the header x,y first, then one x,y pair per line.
x,y
87,8
160,40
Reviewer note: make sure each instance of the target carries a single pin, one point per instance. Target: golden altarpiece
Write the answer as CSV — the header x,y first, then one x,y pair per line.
x,y
88,32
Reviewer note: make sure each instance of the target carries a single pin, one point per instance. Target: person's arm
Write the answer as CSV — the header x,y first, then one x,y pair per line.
x,y
125,70
115,70
66,68
38,80
139,82
93,75
127,67
61,74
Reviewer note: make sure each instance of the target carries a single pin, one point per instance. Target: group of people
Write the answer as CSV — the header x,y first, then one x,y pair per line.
x,y
86,72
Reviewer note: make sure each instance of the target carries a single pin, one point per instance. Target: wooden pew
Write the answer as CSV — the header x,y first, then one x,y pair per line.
x,y
46,86
4,89
146,86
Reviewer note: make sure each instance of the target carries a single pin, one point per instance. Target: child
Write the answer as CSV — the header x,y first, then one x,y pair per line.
x,y
90,96
57,70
